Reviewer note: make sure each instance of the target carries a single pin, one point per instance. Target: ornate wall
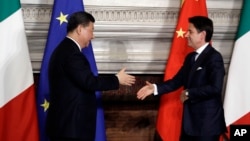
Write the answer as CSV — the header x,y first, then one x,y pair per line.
x,y
133,34
137,35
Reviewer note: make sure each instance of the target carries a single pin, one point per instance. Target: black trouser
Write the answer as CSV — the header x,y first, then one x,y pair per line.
x,y
185,137
191,138
64,139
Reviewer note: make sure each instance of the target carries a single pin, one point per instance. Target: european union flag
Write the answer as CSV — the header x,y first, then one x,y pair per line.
x,y
57,32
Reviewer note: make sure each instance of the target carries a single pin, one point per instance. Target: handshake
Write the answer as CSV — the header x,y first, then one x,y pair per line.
x,y
148,89
129,80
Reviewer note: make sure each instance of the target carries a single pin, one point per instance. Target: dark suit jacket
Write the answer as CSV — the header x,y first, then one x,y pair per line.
x,y
72,110
203,112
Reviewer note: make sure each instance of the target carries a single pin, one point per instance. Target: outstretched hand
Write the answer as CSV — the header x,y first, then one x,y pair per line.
x,y
124,78
183,96
145,91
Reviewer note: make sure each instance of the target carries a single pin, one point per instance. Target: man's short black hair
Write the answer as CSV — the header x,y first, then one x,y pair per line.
x,y
81,17
202,23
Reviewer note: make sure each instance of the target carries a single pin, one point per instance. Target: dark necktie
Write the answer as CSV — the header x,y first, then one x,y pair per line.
x,y
193,58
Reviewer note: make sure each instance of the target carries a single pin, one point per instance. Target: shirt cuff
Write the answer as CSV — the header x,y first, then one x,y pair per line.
x,y
155,89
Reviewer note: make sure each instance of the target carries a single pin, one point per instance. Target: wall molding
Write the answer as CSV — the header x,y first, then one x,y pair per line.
x,y
136,37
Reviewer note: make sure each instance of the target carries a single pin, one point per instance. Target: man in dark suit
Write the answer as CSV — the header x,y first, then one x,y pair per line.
x,y
201,76
73,108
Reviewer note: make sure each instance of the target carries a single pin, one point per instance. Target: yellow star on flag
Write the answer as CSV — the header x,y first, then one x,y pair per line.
x,y
180,33
62,18
45,105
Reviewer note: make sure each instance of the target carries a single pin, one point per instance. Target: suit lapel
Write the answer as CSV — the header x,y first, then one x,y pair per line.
x,y
199,61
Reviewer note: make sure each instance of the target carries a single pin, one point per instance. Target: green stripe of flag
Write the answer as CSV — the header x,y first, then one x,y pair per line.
x,y
244,19
7,7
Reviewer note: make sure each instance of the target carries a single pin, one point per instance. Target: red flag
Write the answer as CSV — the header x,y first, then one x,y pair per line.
x,y
170,111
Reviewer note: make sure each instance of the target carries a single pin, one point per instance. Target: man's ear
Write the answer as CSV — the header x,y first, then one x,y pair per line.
x,y
78,29
204,33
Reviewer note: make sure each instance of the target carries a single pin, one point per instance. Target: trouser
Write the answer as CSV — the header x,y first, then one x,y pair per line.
x,y
64,139
185,137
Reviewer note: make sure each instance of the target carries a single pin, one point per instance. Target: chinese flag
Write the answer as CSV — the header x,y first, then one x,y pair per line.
x,y
168,124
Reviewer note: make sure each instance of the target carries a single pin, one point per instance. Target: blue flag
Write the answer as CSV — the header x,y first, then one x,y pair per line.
x,y
62,9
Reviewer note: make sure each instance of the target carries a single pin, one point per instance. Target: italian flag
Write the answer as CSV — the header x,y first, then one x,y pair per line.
x,y
18,117
237,94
